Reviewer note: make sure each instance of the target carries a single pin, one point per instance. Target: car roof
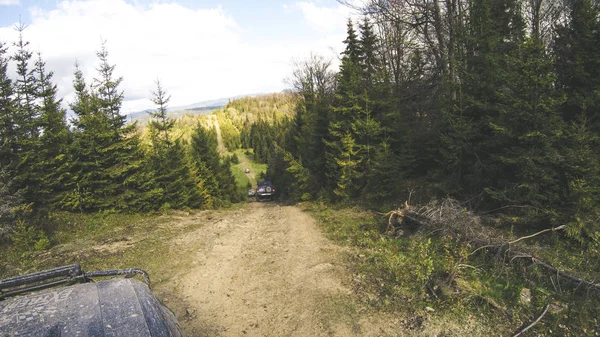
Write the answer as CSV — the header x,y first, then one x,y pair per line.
x,y
115,307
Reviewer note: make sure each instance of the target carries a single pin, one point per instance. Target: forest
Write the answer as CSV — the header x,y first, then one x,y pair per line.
x,y
96,161
492,102
484,112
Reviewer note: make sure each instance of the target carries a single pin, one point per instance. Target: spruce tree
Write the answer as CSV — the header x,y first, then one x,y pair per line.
x,y
53,166
109,94
578,63
348,162
108,160
171,171
213,176
578,70
26,120
469,139
8,128
92,134
369,58
11,200
531,132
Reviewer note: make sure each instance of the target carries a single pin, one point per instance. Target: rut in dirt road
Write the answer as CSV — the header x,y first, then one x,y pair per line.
x,y
266,272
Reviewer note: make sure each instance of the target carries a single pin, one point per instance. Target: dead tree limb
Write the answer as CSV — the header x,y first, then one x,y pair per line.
x,y
521,238
538,233
451,219
537,320
559,272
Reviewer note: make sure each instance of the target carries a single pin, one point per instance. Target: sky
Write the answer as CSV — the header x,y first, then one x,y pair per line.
x,y
199,49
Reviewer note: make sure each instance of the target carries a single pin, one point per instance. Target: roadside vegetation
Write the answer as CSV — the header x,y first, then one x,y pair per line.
x,y
102,241
482,112
422,274
246,160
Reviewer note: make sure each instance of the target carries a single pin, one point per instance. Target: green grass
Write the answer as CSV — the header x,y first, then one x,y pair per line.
x,y
409,273
109,241
241,177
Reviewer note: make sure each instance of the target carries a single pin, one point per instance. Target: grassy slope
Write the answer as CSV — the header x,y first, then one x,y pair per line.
x,y
256,169
110,241
470,294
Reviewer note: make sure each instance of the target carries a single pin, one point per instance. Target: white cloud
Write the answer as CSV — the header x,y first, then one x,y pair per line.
x,y
197,54
9,2
325,19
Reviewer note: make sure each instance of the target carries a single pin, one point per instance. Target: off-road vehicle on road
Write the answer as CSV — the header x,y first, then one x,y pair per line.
x,y
265,190
81,306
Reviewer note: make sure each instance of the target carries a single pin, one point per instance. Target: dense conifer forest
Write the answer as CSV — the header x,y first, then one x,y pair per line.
x,y
95,161
484,113
494,103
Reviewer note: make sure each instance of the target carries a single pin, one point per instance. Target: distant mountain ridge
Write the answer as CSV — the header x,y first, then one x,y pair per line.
x,y
199,108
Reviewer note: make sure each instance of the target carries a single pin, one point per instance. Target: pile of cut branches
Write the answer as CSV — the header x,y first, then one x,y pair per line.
x,y
448,217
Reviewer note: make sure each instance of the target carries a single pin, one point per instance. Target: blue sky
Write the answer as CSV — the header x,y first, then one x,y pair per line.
x,y
200,50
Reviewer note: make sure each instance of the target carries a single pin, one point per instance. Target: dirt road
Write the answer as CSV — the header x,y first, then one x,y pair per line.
x,y
266,270
246,165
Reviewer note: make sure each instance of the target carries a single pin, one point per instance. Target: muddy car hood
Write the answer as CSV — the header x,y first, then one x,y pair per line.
x,y
116,307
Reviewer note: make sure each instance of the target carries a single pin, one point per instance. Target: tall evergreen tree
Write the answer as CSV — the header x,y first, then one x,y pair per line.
x,y
369,58
11,201
346,110
495,33
109,94
578,71
27,125
214,175
8,132
578,62
53,165
171,171
161,122
309,134
108,161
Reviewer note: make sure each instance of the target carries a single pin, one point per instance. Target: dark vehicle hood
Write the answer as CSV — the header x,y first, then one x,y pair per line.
x,y
116,307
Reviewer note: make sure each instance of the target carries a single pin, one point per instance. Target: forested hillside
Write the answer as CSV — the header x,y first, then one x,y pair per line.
x,y
248,122
95,162
484,113
492,102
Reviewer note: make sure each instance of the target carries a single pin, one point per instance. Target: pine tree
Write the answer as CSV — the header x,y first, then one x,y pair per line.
x,y
214,176
108,160
531,129
161,123
384,178
55,139
369,58
25,89
352,51
8,129
578,63
348,162
352,117
107,88
468,142
578,71
12,204
171,172
26,120
92,134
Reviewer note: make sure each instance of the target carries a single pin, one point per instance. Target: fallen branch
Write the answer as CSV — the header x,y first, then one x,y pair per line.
x,y
559,272
453,220
538,233
537,320
521,238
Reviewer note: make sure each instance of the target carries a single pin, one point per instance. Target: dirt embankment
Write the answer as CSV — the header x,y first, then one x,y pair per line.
x,y
267,271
